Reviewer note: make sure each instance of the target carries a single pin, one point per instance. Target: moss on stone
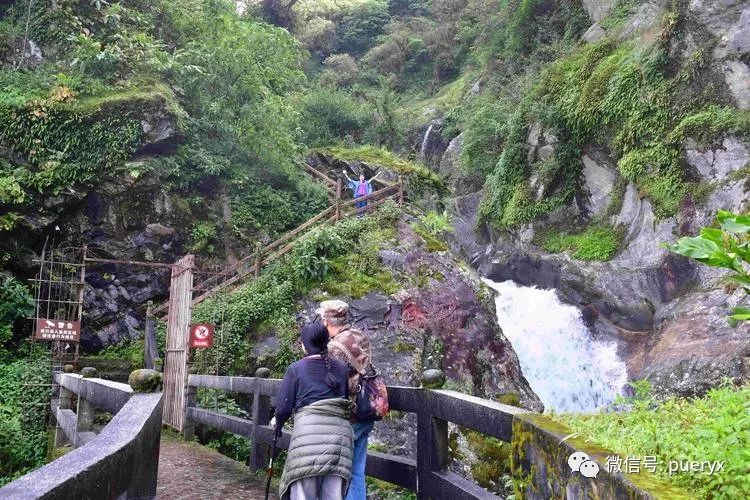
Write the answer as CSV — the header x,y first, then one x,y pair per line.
x,y
433,379
552,443
145,380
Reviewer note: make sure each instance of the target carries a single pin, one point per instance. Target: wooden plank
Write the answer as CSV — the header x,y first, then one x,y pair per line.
x,y
318,174
299,229
370,205
375,194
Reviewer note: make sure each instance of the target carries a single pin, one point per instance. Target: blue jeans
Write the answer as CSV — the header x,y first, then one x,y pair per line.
x,y
357,488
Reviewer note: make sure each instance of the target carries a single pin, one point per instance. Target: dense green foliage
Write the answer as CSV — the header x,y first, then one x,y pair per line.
x,y
23,436
23,430
16,304
493,69
595,243
726,246
714,427
346,253
223,84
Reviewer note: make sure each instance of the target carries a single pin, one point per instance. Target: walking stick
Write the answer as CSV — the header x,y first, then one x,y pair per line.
x,y
270,465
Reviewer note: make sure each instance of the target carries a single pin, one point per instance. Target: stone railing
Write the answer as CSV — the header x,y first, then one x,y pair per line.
x,y
539,450
120,461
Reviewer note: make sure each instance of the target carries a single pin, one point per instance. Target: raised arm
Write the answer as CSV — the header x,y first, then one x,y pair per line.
x,y
347,176
375,176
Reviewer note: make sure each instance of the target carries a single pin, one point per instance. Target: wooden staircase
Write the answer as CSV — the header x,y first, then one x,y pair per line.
x,y
252,265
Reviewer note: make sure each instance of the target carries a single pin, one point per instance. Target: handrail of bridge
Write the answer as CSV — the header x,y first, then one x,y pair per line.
x,y
428,475
121,461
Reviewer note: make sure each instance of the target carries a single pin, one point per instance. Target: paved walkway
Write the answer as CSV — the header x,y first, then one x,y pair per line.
x,y
194,472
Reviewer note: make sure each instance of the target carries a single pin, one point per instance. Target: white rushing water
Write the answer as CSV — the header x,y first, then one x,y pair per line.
x,y
565,366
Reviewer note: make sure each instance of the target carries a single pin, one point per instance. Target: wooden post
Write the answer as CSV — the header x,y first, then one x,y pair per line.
x,y
261,416
337,201
400,190
258,258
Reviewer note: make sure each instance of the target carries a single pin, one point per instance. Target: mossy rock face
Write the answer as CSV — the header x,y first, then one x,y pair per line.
x,y
509,398
88,372
433,379
145,380
263,372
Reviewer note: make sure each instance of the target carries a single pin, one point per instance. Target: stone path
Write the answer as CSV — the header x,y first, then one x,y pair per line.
x,y
194,472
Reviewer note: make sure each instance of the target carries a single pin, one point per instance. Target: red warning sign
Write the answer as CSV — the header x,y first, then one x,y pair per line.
x,y
55,329
201,335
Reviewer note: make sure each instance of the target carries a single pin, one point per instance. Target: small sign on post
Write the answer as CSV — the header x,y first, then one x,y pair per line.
x,y
56,329
201,336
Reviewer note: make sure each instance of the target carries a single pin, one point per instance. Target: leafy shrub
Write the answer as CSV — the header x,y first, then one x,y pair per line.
x,y
72,142
360,27
263,208
203,236
727,247
23,433
484,133
15,303
270,299
132,350
332,114
437,224
340,70
713,427
595,243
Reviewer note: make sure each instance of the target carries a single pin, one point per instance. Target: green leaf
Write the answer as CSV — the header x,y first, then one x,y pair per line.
x,y
697,248
733,223
740,314
741,279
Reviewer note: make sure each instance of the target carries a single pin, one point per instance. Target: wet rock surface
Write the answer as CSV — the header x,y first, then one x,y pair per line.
x,y
666,314
123,219
442,318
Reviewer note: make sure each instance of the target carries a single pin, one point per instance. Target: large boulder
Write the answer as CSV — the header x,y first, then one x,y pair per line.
x,y
694,348
599,180
737,76
598,9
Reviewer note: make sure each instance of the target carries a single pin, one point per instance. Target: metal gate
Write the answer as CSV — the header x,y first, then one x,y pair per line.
x,y
178,325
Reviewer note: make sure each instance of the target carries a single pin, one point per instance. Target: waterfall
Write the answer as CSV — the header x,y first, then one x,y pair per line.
x,y
426,142
565,366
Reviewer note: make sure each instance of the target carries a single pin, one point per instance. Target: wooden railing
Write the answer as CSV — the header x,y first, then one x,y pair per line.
x,y
120,461
251,265
428,475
